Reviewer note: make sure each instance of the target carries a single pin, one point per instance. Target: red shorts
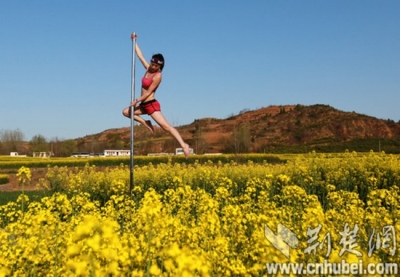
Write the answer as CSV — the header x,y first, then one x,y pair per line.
x,y
150,107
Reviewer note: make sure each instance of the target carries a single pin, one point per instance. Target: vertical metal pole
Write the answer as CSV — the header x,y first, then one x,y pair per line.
x,y
132,116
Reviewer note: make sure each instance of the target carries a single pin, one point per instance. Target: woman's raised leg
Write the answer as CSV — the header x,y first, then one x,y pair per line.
x,y
147,123
162,121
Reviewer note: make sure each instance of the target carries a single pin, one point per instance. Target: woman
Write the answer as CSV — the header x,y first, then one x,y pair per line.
x,y
148,104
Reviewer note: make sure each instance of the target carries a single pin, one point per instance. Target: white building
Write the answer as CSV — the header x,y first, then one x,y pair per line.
x,y
179,151
42,154
16,154
117,153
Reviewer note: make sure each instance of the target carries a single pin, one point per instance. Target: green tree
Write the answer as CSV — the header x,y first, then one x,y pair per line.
x,y
11,141
39,143
239,141
199,142
67,147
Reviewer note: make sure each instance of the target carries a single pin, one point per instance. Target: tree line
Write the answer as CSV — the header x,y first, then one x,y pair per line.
x,y
14,141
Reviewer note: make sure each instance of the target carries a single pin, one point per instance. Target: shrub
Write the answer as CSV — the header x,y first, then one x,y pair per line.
x,y
4,179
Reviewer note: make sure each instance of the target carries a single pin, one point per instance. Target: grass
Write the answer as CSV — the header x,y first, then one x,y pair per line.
x,y
4,179
11,196
7,163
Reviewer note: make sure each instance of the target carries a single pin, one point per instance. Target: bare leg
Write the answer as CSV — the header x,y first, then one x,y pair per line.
x,y
146,123
160,119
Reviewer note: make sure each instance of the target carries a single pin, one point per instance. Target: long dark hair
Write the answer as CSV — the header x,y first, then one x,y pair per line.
x,y
158,59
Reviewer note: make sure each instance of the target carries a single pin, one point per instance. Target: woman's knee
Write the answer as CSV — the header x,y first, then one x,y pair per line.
x,y
126,112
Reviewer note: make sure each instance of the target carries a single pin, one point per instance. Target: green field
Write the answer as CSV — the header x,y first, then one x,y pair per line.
x,y
7,162
10,165
7,196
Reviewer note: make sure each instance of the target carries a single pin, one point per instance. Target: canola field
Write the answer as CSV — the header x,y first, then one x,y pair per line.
x,y
209,219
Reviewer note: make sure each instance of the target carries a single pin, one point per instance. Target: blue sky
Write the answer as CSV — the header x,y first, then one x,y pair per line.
x,y
65,66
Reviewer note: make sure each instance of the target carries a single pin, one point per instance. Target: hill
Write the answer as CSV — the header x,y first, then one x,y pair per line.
x,y
289,128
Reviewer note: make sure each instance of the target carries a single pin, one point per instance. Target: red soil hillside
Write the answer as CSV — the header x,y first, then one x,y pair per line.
x,y
255,131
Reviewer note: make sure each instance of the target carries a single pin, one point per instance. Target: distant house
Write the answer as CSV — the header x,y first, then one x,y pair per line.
x,y
42,154
80,154
16,154
117,153
179,151
106,153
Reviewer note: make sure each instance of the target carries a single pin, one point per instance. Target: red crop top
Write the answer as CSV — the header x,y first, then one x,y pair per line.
x,y
146,82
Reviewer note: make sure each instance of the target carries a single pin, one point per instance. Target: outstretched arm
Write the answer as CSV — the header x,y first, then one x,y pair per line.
x,y
139,53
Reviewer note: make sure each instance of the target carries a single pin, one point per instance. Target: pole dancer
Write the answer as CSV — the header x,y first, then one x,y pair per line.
x,y
148,104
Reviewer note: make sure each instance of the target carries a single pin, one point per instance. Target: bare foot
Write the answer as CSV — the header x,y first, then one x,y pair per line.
x,y
149,126
186,150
